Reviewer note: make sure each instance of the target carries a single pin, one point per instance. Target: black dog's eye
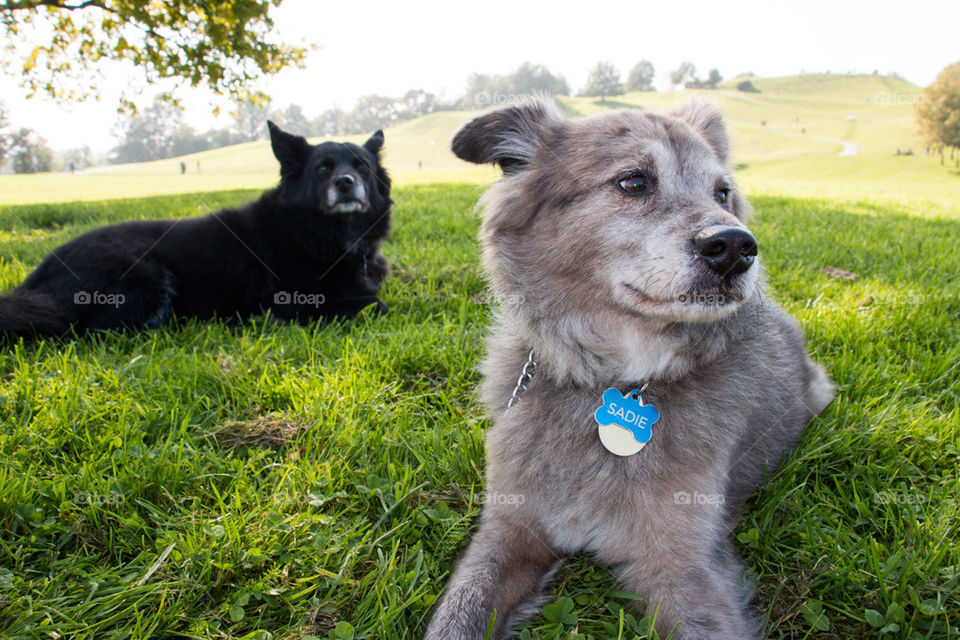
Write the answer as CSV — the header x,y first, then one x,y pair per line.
x,y
326,166
722,195
635,184
361,168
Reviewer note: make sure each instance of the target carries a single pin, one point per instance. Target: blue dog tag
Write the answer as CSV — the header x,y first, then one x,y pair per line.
x,y
624,422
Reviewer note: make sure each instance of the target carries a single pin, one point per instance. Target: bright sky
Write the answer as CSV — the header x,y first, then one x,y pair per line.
x,y
389,47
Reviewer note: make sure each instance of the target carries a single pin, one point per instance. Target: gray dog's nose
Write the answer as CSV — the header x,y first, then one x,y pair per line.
x,y
345,183
729,252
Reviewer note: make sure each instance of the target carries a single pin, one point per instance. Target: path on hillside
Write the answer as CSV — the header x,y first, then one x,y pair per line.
x,y
847,148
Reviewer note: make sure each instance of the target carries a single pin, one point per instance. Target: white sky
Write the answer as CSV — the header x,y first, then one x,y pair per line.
x,y
389,47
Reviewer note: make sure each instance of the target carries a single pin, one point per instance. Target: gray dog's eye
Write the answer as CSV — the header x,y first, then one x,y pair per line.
x,y
635,184
722,195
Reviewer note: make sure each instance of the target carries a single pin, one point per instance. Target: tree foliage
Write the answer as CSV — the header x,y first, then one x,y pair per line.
x,y
150,134
56,45
30,152
603,81
5,138
686,72
939,112
485,90
641,77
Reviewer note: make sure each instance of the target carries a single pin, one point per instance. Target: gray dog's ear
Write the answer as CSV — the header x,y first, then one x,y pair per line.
x,y
707,119
509,137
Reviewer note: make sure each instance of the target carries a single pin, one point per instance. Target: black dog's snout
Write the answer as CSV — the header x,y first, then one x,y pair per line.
x,y
729,252
345,182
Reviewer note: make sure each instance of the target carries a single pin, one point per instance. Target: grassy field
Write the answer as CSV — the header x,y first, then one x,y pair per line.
x,y
260,481
212,480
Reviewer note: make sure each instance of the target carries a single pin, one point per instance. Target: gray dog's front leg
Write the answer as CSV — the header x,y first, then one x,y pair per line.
x,y
500,571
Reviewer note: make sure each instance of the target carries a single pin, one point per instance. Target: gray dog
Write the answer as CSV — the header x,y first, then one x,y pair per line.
x,y
640,381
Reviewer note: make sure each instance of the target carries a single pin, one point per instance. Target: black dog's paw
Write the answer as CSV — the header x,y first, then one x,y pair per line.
x,y
379,307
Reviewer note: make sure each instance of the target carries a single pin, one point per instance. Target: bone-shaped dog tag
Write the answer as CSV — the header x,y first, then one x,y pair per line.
x,y
624,422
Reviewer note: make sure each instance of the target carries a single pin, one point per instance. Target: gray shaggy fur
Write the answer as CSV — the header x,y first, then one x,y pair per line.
x,y
608,290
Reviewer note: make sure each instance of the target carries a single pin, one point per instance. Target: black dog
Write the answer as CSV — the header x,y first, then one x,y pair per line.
x,y
306,249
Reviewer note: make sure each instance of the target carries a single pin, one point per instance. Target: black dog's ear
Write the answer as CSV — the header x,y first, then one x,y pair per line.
x,y
375,143
509,137
707,119
290,150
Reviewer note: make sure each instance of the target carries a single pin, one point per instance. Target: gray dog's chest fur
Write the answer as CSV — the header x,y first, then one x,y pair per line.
x,y
731,417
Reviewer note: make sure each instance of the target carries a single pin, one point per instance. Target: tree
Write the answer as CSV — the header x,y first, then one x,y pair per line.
x,y
487,90
31,153
371,113
5,139
292,120
939,112
416,103
223,45
329,123
148,135
641,77
686,72
714,78
603,81
531,79
250,120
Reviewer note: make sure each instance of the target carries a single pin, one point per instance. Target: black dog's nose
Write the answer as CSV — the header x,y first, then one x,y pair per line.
x,y
345,182
729,251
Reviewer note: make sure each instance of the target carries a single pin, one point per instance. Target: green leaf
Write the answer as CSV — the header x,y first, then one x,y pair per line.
x,y
893,627
560,611
930,607
749,538
236,613
895,612
6,578
814,615
343,631
874,618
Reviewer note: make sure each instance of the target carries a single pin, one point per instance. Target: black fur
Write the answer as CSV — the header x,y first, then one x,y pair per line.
x,y
306,249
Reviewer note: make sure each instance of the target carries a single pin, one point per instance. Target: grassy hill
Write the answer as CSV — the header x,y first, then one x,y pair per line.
x,y
786,140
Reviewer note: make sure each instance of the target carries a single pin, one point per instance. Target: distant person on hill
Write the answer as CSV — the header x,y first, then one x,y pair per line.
x,y
183,168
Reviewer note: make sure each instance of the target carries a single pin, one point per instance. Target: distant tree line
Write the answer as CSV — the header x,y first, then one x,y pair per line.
x,y
26,151
484,90
160,130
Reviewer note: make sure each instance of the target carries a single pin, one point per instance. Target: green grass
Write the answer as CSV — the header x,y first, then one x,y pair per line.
x,y
213,480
